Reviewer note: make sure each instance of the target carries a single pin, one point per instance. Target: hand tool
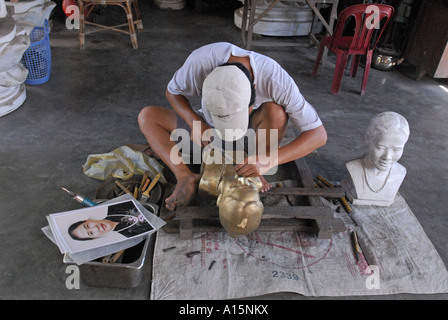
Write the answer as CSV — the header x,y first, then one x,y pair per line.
x,y
192,253
142,183
145,194
359,246
115,256
342,200
106,259
112,258
122,187
211,264
86,202
321,185
368,255
143,188
145,185
355,243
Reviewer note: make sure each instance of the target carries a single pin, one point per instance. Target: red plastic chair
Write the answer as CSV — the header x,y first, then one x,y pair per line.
x,y
367,19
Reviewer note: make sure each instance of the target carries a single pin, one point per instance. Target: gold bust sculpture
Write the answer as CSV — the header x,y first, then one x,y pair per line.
x,y
238,198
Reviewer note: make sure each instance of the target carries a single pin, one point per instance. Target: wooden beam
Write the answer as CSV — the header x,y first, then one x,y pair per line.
x,y
327,193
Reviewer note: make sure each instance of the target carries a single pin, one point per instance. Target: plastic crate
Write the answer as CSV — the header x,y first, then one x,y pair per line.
x,y
37,58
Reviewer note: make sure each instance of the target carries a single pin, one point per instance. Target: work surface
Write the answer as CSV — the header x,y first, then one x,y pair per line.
x,y
404,261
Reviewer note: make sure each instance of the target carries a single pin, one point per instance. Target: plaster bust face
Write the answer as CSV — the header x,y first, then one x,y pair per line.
x,y
386,136
376,177
386,149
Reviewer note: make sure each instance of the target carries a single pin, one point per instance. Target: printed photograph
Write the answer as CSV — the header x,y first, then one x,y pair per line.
x,y
98,226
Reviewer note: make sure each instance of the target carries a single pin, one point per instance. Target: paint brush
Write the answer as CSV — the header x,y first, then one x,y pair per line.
x,y
145,194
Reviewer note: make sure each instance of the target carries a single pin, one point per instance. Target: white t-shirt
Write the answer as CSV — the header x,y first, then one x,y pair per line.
x,y
273,83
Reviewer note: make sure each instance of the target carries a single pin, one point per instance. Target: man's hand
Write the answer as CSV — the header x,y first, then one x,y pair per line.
x,y
254,166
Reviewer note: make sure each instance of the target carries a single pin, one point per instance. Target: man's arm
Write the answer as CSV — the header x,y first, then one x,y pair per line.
x,y
182,107
304,144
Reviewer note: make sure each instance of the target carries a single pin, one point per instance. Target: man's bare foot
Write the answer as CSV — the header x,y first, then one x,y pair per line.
x,y
266,185
183,192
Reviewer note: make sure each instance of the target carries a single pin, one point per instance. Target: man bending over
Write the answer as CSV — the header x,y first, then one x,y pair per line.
x,y
239,89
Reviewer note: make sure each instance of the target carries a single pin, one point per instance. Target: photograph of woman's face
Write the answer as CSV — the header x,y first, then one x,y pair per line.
x,y
92,229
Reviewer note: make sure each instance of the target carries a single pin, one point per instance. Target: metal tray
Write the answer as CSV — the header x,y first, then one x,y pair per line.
x,y
127,272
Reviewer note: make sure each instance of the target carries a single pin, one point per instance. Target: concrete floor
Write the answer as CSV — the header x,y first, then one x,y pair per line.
x,y
91,103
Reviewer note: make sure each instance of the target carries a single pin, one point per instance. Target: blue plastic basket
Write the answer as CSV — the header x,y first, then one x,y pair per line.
x,y
37,58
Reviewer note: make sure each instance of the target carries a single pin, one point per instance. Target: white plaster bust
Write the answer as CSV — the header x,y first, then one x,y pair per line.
x,y
376,177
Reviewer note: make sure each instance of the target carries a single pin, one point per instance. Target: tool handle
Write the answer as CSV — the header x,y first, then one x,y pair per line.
x,y
153,183
325,181
115,256
142,183
122,187
146,184
345,204
355,241
86,202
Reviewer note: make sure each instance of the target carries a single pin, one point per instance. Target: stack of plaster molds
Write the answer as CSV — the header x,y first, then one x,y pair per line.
x,y
34,11
285,19
17,20
14,40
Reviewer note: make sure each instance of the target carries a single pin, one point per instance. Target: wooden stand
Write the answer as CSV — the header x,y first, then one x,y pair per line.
x,y
132,14
314,217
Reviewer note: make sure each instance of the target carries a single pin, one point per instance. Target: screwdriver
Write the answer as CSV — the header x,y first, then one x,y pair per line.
x,y
86,202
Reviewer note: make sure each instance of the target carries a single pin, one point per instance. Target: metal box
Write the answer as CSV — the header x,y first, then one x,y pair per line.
x,y
125,274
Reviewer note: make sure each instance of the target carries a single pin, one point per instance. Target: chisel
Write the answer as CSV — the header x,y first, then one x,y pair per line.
x,y
86,202
355,243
